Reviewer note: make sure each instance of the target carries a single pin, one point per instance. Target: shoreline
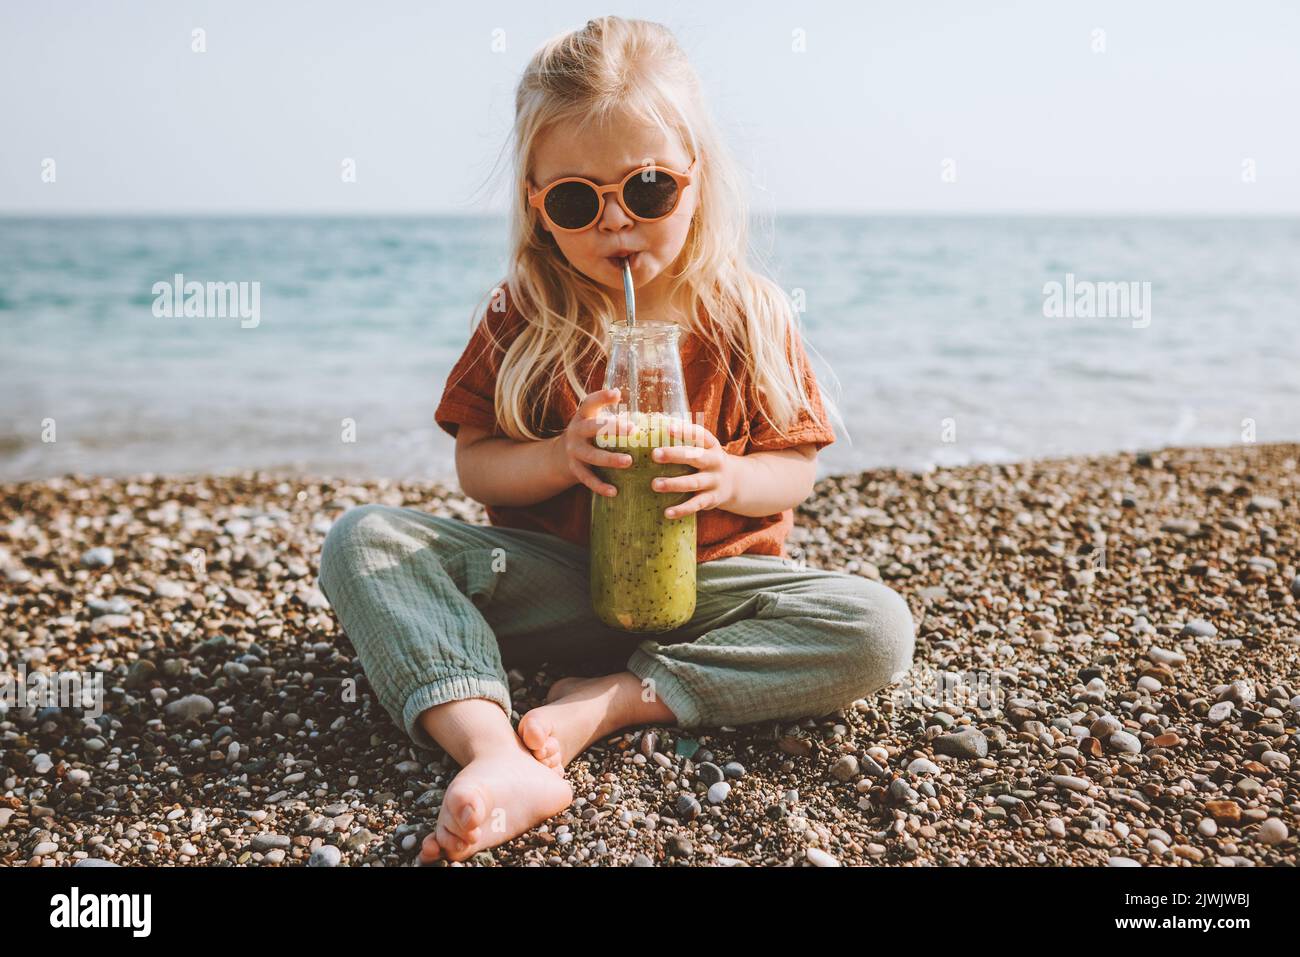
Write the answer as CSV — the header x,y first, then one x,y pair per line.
x,y
1120,634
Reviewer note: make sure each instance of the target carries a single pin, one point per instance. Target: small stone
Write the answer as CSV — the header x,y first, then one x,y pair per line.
x,y
678,846
1263,503
1224,812
688,808
686,748
845,769
734,770
116,605
140,674
169,589
327,855
1163,656
799,747
1198,628
1272,831
1121,862
194,706
719,792
1071,783
101,557
967,744
922,766
819,858
1105,726
1124,742
107,623
1219,712
709,773
44,849
264,842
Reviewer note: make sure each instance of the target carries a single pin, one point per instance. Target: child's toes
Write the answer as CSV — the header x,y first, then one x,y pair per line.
x,y
429,849
534,730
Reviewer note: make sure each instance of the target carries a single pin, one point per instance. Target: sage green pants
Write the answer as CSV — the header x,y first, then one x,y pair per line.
x,y
437,608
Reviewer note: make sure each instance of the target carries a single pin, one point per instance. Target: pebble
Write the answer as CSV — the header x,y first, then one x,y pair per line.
x,y
327,855
1199,628
819,858
101,557
1272,831
116,605
1071,783
1124,742
44,849
139,674
191,707
264,841
845,769
1219,712
1105,726
719,792
688,808
709,773
922,766
967,744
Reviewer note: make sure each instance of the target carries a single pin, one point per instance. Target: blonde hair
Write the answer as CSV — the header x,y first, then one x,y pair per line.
x,y
616,67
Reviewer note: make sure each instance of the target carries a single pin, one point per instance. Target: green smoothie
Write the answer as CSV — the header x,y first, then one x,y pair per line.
x,y
642,564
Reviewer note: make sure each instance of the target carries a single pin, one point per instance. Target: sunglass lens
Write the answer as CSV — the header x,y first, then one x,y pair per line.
x,y
651,194
572,205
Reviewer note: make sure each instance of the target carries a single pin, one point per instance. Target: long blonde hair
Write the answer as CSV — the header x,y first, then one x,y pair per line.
x,y
616,67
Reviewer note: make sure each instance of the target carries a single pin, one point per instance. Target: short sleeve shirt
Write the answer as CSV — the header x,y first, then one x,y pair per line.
x,y
468,399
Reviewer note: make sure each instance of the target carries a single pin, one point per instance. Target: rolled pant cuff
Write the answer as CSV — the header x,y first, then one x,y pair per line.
x,y
670,689
450,688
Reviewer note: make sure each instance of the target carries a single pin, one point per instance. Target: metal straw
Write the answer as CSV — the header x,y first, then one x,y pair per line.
x,y
629,299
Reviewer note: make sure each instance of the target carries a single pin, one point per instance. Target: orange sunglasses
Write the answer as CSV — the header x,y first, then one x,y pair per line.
x,y
574,204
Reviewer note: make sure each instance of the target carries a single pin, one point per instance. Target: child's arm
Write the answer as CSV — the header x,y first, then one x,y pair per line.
x,y
500,471
764,483
757,484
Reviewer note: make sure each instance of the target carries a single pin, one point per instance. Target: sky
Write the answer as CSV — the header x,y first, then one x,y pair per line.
x,y
1159,107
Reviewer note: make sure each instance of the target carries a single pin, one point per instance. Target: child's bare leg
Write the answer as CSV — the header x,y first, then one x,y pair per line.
x,y
501,790
580,711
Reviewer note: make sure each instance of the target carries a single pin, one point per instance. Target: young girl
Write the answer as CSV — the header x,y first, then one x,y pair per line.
x,y
437,608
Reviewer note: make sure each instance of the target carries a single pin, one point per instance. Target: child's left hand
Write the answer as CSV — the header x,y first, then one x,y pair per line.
x,y
714,476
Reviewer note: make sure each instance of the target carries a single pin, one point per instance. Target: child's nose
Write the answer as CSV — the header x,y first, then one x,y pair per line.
x,y
614,217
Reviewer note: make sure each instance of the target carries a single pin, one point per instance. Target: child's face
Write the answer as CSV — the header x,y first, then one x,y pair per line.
x,y
606,156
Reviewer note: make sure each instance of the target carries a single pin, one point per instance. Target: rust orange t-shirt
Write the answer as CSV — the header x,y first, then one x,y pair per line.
x,y
468,399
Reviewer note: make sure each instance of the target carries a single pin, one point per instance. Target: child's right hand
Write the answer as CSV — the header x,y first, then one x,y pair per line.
x,y
576,450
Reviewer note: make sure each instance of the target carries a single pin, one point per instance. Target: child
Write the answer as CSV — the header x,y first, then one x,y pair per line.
x,y
436,608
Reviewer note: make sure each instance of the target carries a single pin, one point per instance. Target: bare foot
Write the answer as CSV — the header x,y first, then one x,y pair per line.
x,y
495,797
580,711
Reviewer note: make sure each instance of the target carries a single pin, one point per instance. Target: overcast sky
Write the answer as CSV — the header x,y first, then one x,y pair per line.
x,y
1184,106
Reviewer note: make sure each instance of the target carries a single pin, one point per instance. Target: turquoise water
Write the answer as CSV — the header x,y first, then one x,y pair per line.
x,y
912,322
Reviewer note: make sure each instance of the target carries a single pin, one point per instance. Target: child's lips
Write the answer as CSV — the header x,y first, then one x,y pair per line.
x,y
617,261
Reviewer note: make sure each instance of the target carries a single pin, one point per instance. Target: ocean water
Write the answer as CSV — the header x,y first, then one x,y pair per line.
x,y
928,333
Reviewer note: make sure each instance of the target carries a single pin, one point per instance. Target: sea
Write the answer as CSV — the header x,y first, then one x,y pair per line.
x,y
938,341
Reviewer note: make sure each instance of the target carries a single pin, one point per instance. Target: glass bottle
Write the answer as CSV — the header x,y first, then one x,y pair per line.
x,y
642,563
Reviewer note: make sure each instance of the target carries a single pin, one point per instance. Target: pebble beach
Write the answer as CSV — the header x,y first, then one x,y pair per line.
x,y
1107,673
